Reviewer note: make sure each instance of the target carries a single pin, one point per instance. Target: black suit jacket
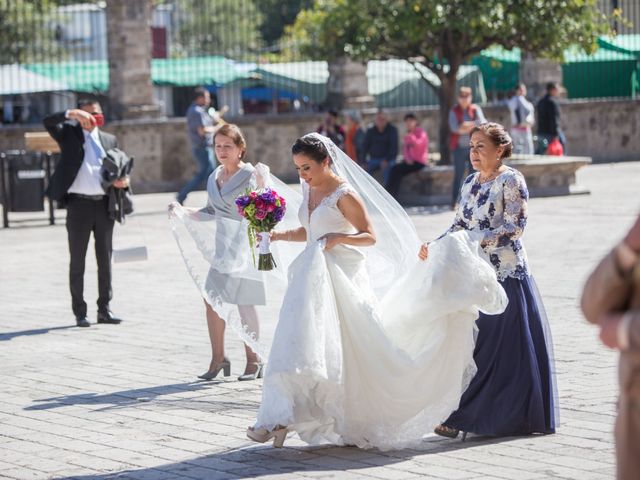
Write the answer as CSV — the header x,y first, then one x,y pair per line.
x,y
548,116
69,135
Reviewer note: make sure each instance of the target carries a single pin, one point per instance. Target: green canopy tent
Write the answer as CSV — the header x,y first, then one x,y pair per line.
x,y
612,71
626,43
500,68
393,83
396,83
90,76
605,73
303,79
93,76
185,72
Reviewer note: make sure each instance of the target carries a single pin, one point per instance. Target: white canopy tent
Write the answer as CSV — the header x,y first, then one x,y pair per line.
x,y
15,80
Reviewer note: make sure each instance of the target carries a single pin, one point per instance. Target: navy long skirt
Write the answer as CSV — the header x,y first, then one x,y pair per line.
x,y
513,392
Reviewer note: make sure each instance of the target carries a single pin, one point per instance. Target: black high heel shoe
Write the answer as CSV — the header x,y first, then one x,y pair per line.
x,y
213,372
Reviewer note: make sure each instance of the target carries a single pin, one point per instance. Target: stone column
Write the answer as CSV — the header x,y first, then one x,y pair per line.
x,y
535,73
129,50
347,87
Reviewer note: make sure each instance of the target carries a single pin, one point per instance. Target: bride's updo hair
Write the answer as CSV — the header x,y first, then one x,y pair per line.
x,y
311,147
498,135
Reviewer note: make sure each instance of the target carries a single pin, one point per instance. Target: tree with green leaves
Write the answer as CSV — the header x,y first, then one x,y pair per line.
x,y
220,27
25,31
276,15
443,35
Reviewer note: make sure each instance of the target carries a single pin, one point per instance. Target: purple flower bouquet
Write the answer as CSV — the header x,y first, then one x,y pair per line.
x,y
263,209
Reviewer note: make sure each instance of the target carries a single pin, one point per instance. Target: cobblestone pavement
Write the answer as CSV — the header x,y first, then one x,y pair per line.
x,y
122,401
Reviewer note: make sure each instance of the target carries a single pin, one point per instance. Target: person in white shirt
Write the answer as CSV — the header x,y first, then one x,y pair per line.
x,y
76,183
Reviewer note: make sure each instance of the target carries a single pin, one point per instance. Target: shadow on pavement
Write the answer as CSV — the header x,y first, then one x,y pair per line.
x,y
262,460
4,337
144,396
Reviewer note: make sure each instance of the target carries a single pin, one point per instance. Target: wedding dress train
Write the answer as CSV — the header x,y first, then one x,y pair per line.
x,y
345,368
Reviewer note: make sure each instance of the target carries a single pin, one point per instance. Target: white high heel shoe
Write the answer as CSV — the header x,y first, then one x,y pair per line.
x,y
262,435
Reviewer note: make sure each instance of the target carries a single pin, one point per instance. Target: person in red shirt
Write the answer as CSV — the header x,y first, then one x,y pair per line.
x,y
463,117
415,151
354,138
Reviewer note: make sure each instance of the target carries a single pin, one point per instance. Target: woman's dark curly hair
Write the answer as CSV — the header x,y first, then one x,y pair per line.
x,y
311,147
498,136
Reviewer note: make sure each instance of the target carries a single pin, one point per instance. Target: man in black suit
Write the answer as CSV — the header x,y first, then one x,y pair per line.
x,y
549,117
76,182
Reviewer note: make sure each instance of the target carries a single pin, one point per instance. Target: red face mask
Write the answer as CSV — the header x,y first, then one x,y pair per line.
x,y
99,117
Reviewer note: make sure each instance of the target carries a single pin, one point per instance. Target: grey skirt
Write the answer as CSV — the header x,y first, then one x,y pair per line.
x,y
237,291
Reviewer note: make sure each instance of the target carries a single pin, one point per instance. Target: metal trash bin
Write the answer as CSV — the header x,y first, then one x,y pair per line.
x,y
23,177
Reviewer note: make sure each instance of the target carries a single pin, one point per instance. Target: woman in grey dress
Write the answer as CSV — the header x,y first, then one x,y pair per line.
x,y
231,179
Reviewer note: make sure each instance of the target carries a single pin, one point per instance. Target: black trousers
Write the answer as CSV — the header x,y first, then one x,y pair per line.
x,y
397,173
83,217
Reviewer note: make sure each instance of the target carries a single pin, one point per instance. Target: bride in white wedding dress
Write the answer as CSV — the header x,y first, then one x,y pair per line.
x,y
373,347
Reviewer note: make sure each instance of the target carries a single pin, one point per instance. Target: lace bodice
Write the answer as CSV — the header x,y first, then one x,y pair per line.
x,y
496,212
326,217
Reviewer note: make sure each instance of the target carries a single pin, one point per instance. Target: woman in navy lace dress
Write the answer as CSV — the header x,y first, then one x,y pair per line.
x,y
513,392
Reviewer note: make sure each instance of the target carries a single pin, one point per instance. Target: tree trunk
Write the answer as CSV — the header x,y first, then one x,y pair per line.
x,y
447,94
129,49
347,87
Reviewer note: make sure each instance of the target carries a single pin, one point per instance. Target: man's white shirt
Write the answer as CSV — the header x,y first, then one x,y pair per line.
x,y
87,181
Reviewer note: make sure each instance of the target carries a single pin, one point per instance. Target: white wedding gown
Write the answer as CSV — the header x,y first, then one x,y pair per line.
x,y
346,367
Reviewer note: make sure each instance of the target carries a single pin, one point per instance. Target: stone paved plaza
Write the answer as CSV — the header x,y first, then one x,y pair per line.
x,y
122,401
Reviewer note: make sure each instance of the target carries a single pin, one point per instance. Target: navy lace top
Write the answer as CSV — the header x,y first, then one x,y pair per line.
x,y
497,212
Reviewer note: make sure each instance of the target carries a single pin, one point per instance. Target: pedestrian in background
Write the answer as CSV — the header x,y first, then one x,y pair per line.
x,y
201,127
415,154
611,299
464,116
331,128
549,126
381,145
354,138
522,119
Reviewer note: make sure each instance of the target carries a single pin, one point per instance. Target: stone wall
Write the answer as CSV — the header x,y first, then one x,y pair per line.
x,y
604,130
546,176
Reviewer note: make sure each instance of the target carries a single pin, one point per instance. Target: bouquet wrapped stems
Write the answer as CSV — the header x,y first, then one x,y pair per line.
x,y
265,258
263,209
